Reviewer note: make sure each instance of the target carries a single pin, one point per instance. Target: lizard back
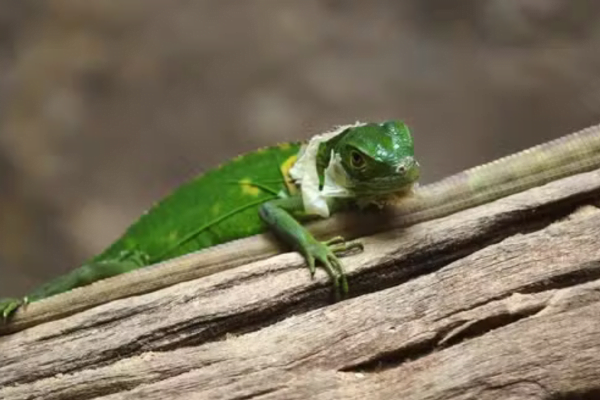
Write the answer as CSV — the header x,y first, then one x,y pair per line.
x,y
213,208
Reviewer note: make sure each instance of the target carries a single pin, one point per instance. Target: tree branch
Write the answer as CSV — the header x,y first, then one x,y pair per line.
x,y
498,301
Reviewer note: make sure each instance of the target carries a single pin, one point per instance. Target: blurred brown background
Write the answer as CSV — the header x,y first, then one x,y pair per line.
x,y
106,105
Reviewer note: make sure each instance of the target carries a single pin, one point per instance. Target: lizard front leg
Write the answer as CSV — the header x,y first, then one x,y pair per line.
x,y
282,216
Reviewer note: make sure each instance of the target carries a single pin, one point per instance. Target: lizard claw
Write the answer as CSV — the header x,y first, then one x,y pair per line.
x,y
344,248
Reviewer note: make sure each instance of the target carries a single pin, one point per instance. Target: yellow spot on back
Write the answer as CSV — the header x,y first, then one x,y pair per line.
x,y
284,146
285,171
215,209
248,188
173,236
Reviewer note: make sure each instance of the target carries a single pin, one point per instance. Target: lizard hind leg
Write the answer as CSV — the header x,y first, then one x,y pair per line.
x,y
91,272
84,275
8,306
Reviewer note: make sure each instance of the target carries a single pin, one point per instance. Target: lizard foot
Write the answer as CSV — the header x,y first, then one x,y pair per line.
x,y
9,305
326,254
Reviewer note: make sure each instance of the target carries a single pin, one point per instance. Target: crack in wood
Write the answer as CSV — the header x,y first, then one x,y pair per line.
x,y
471,329
588,272
588,394
446,336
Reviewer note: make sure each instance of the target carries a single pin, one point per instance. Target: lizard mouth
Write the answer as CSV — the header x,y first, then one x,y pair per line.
x,y
382,187
399,182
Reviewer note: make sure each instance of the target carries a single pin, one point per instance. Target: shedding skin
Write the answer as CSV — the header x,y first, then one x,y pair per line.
x,y
252,193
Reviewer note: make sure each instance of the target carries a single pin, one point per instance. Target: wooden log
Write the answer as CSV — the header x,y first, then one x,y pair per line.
x,y
500,301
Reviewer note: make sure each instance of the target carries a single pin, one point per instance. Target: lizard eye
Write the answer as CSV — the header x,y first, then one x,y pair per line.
x,y
356,159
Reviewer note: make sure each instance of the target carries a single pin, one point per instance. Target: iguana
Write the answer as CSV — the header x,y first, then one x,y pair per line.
x,y
272,188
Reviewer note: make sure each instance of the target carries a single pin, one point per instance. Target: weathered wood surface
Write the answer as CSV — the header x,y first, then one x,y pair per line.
x,y
497,302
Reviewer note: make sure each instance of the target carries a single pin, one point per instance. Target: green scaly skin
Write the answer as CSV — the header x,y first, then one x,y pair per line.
x,y
245,197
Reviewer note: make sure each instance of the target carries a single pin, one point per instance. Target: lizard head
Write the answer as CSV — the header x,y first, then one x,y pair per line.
x,y
370,160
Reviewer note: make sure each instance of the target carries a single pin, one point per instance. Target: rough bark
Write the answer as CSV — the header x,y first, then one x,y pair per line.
x,y
496,302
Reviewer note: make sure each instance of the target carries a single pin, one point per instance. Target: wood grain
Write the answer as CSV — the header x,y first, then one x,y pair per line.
x,y
499,301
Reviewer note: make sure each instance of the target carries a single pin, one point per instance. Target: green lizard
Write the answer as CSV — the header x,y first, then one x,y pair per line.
x,y
272,188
